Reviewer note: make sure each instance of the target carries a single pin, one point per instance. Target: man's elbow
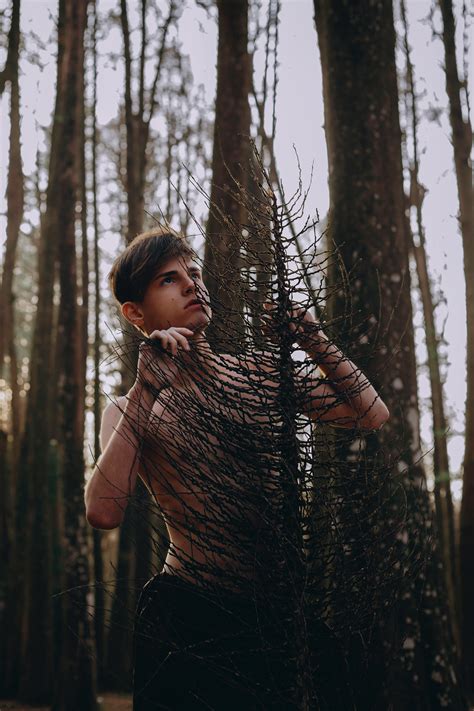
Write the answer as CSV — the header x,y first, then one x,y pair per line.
x,y
105,520
384,416
378,419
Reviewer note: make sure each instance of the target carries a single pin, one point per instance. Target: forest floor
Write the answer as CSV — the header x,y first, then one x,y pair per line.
x,y
107,702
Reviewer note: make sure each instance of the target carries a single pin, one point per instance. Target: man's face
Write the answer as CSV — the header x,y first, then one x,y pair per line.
x,y
170,299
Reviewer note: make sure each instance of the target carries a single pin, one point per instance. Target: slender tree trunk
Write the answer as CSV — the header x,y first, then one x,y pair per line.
x,y
83,291
75,688
462,141
99,602
120,637
169,163
6,537
138,123
32,543
442,483
229,167
411,666
131,567
442,488
15,192
15,197
134,180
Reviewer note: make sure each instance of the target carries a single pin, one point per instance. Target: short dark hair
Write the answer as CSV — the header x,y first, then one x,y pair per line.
x,y
136,267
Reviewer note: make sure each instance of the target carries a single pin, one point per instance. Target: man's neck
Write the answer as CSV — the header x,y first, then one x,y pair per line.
x,y
201,355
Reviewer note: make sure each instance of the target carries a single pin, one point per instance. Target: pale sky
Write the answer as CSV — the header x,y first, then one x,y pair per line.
x,y
300,126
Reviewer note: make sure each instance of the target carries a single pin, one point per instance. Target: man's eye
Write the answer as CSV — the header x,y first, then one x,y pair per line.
x,y
167,279
195,275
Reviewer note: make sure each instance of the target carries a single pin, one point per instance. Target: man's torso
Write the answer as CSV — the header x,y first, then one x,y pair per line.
x,y
209,461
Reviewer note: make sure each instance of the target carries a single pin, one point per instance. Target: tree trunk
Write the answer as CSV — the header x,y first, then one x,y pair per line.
x,y
14,196
138,123
99,601
83,290
15,192
135,157
412,666
36,681
442,488
118,669
462,141
442,479
119,652
75,688
6,540
229,166
32,543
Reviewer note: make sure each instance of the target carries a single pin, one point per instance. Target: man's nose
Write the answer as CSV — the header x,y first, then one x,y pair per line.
x,y
189,283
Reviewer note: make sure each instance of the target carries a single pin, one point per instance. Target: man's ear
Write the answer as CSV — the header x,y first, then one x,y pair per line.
x,y
133,313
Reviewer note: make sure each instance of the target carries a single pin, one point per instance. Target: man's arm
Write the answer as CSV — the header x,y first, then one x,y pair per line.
x,y
123,425
115,473
344,397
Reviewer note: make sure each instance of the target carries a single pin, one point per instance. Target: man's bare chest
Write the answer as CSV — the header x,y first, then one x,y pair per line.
x,y
230,413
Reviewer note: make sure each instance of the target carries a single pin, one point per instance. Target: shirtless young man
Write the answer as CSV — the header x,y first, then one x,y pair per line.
x,y
161,292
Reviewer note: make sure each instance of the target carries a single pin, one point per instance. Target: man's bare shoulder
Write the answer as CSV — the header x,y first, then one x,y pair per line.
x,y
115,405
110,418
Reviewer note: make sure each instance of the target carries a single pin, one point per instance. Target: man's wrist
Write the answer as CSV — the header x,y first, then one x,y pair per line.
x,y
310,336
137,411
325,354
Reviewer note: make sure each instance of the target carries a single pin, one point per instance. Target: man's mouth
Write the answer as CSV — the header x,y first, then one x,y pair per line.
x,y
194,302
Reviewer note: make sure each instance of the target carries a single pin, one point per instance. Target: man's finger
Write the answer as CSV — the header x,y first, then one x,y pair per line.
x,y
169,343
182,341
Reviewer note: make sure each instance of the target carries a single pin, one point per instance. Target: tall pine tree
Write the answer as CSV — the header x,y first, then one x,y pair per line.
x,y
413,664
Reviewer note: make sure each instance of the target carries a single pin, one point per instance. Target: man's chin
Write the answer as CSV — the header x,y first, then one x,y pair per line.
x,y
199,325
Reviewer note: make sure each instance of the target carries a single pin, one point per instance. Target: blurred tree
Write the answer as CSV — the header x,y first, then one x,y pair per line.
x,y
258,257
138,122
135,546
229,167
34,511
99,597
14,195
412,664
179,156
461,138
442,479
76,681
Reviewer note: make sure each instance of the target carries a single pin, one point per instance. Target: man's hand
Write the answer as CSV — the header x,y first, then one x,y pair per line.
x,y
173,338
306,330
153,371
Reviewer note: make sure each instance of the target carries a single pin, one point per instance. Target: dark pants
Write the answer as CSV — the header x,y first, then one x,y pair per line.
x,y
196,649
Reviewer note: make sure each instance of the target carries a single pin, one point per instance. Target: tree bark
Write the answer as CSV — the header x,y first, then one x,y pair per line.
x,y
229,166
15,198
76,683
462,140
118,669
99,601
59,219
15,192
412,663
131,567
32,543
138,123
442,479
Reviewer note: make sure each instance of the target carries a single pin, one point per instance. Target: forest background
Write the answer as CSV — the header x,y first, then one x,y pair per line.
x,y
88,152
